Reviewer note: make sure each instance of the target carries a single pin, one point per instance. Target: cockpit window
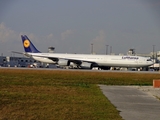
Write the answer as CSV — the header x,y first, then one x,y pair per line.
x,y
149,60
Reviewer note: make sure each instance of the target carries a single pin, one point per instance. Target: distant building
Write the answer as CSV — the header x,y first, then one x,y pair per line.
x,y
131,52
6,61
19,61
158,55
51,49
3,61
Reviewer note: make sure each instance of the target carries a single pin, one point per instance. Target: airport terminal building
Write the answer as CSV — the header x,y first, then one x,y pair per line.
x,y
6,61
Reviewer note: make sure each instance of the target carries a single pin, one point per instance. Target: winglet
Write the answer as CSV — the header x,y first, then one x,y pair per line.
x,y
28,45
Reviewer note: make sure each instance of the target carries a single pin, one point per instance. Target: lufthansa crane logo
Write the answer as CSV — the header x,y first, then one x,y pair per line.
x,y
26,43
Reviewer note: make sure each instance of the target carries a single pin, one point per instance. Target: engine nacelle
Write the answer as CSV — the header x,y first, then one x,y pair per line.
x,y
86,65
63,62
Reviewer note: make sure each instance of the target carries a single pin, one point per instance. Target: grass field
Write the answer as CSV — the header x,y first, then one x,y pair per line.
x,y
58,95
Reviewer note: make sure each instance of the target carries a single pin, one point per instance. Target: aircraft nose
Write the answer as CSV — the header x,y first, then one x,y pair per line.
x,y
151,62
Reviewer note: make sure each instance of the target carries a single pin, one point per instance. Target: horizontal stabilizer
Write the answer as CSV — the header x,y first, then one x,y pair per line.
x,y
17,52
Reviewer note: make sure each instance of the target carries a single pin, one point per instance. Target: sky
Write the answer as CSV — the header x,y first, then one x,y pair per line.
x,y
71,26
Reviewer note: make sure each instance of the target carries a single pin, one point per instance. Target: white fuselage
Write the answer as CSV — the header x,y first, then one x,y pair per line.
x,y
101,60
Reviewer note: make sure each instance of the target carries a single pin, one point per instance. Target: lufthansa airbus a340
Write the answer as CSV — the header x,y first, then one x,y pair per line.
x,y
84,60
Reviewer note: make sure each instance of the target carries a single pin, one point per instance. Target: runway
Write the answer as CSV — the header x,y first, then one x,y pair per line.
x,y
133,103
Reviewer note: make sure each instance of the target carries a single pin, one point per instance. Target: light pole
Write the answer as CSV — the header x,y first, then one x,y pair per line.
x,y
91,48
153,56
110,50
107,49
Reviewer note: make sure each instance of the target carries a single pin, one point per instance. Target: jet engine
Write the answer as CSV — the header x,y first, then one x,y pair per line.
x,y
86,65
62,62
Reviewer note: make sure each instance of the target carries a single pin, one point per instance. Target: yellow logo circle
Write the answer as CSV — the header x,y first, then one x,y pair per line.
x,y
26,43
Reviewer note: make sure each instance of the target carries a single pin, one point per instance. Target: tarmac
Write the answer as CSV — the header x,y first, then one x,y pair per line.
x,y
134,102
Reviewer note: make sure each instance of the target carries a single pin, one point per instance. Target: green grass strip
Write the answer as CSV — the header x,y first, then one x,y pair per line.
x,y
61,95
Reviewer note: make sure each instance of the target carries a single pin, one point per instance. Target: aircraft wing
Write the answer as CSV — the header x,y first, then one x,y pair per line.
x,y
74,60
67,61
56,59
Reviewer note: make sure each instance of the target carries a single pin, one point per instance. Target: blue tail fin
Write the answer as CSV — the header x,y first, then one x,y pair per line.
x,y
28,46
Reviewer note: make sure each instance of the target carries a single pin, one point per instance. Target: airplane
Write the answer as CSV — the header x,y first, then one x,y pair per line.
x,y
84,61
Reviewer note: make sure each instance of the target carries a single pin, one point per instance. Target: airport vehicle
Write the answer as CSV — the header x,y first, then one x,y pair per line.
x,y
84,61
